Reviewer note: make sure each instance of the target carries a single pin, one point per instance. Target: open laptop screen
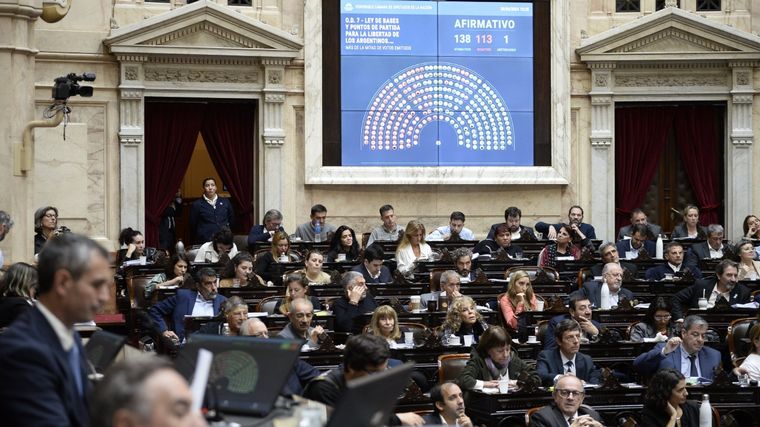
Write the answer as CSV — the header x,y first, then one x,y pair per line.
x,y
247,373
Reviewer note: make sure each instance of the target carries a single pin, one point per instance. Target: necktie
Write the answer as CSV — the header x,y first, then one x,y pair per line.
x,y
76,370
570,419
693,360
569,367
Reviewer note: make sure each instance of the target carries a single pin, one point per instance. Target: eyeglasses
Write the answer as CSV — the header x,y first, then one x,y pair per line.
x,y
567,393
662,317
51,216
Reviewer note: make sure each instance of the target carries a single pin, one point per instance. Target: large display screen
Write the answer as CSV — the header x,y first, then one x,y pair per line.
x,y
428,83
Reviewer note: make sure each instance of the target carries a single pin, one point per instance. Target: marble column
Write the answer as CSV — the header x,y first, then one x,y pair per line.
x,y
18,19
739,151
131,148
602,152
273,134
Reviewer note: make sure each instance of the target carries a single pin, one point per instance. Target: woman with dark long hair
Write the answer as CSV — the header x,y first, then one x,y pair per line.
x,y
175,274
658,320
343,243
45,223
665,403
562,247
238,272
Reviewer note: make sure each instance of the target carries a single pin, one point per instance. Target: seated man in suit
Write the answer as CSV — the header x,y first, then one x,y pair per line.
x,y
43,380
613,275
512,216
630,248
609,253
673,254
638,216
574,216
567,408
144,390
462,258
501,242
580,311
712,248
364,355
355,301
722,285
448,406
263,232
301,373
686,353
566,357
205,300
372,267
299,328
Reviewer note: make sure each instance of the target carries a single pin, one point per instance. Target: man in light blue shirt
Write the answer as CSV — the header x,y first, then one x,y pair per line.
x,y
454,231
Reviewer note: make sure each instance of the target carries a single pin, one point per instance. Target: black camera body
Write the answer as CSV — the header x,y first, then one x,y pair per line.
x,y
67,86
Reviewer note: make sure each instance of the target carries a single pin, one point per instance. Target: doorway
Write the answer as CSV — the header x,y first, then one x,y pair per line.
x,y
668,156
189,140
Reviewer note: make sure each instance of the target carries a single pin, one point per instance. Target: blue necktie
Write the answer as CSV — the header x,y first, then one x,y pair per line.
x,y
693,360
76,370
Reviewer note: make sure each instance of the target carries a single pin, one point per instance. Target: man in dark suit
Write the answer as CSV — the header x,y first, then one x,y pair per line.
x,y
502,241
574,217
43,380
263,232
638,216
675,267
512,216
609,253
710,249
686,354
613,275
462,258
372,267
580,311
448,406
630,248
205,300
721,286
566,358
567,408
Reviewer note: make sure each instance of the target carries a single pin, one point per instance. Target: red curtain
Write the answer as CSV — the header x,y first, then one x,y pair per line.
x,y
698,144
172,130
228,132
640,135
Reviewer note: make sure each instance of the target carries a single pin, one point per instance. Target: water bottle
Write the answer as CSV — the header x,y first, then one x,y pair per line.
x,y
705,412
180,247
605,300
317,232
659,247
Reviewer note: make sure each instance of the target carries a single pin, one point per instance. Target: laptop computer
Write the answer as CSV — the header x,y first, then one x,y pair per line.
x,y
247,373
369,401
101,349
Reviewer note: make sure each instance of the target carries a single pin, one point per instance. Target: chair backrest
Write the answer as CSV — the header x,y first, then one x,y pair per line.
x,y
136,288
193,252
241,241
450,366
329,303
716,416
584,275
267,304
365,239
542,327
532,270
738,330
435,279
530,412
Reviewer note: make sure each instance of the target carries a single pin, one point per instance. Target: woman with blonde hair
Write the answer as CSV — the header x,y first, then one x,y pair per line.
x,y
17,290
313,269
296,286
463,319
749,269
384,323
689,228
269,264
518,298
412,248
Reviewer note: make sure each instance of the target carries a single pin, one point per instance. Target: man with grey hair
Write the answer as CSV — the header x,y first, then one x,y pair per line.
x,y
143,391
5,226
686,354
712,248
355,301
300,313
301,373
263,232
609,253
612,274
449,289
462,258
43,380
